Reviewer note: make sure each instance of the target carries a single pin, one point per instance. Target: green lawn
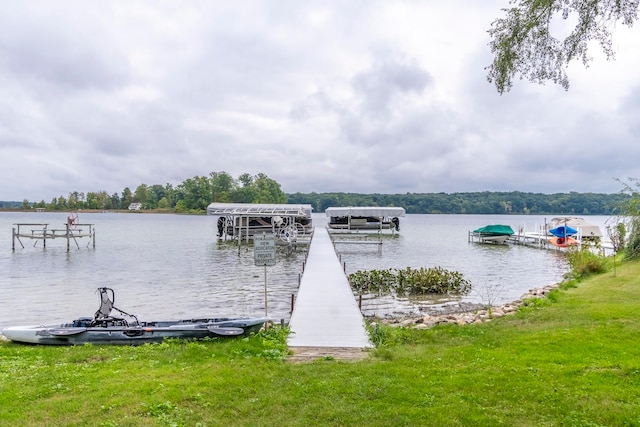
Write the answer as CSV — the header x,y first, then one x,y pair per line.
x,y
570,360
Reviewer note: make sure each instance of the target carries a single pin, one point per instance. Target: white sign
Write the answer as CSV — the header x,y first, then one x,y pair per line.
x,y
264,250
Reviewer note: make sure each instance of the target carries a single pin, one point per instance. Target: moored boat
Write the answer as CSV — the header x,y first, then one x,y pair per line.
x,y
364,218
103,328
494,233
289,223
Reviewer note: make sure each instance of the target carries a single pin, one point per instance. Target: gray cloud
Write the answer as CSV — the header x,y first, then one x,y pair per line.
x,y
321,96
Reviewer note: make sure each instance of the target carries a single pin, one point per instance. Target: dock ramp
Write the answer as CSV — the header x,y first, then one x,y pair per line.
x,y
326,313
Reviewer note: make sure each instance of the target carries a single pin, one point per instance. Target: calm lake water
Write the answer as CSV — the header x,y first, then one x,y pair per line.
x,y
173,266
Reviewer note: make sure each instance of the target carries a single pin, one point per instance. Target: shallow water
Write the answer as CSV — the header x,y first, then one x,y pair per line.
x,y
172,266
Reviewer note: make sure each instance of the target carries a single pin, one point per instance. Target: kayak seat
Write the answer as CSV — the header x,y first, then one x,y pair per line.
x,y
103,316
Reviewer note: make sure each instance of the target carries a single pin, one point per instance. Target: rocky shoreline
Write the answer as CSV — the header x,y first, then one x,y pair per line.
x,y
459,314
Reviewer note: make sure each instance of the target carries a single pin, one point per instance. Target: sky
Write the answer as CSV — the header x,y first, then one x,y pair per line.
x,y
376,96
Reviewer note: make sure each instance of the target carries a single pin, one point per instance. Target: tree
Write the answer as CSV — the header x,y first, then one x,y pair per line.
x,y
127,198
92,200
630,212
62,203
164,204
104,202
154,195
245,179
195,193
115,201
523,44
268,190
222,184
141,194
74,200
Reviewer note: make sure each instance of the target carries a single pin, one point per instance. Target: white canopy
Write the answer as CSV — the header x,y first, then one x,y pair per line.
x,y
259,209
586,229
365,211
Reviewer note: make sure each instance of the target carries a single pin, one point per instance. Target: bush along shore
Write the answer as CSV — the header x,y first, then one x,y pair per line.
x,y
464,313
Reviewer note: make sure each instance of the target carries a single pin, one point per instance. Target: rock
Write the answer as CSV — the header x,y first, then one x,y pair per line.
x,y
406,322
461,313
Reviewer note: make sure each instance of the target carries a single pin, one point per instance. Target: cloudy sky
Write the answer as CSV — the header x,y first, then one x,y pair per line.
x,y
369,96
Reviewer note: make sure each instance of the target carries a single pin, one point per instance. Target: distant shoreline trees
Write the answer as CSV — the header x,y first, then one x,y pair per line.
x,y
486,202
193,195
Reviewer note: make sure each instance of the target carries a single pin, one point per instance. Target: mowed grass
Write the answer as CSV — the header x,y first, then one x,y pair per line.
x,y
570,360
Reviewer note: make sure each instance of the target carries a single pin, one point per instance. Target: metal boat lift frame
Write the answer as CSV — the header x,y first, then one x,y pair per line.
x,y
286,229
41,231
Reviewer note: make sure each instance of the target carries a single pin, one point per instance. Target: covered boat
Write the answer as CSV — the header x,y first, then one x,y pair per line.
x,y
495,233
371,218
103,328
288,222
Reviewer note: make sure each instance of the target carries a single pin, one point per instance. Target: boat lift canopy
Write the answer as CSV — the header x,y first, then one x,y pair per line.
x,y
367,211
259,209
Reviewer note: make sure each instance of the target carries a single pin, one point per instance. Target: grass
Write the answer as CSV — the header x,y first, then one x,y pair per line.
x,y
570,360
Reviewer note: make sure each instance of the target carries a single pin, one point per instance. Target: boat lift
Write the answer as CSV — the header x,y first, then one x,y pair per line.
x,y
290,224
71,232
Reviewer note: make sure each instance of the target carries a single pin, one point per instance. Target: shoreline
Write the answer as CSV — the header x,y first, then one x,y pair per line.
x,y
460,314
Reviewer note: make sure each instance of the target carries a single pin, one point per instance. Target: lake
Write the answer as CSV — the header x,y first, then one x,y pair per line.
x,y
165,266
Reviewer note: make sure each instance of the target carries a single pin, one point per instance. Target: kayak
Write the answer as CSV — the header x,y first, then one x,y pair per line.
x,y
562,242
103,328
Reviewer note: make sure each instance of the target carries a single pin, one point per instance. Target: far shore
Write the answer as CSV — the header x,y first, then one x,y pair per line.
x,y
141,211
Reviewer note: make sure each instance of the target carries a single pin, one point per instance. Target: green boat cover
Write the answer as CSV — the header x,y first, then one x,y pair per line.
x,y
495,230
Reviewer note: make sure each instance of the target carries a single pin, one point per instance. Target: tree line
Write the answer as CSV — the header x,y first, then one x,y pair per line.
x,y
192,195
485,202
195,194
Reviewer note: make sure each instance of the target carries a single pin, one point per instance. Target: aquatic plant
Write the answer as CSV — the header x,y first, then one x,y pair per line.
x,y
381,282
434,280
409,281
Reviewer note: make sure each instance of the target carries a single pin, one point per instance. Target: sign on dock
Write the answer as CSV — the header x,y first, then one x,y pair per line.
x,y
264,250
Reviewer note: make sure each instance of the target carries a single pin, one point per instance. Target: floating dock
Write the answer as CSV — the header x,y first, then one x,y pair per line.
x,y
325,312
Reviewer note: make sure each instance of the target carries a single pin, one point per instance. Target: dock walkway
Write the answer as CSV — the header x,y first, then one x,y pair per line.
x,y
326,313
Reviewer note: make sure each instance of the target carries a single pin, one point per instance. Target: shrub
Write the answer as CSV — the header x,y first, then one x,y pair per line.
x,y
633,247
584,262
